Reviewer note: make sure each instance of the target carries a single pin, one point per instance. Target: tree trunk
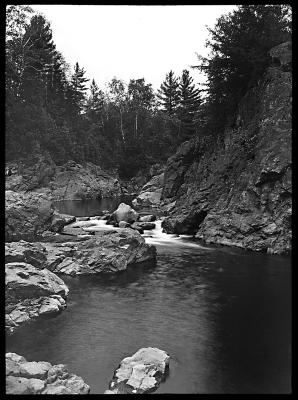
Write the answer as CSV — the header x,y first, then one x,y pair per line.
x,y
121,126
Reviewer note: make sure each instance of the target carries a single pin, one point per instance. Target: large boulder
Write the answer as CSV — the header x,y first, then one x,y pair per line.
x,y
26,214
31,292
23,281
140,373
125,213
150,195
31,377
108,251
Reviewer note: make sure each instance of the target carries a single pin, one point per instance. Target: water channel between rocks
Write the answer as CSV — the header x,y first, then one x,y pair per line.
x,y
222,314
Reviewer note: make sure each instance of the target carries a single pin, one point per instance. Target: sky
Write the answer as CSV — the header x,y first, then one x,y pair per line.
x,y
132,42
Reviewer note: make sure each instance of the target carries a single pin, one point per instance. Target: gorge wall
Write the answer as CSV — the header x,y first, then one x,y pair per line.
x,y
238,191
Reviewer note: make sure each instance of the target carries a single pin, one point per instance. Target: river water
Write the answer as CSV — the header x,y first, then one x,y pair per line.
x,y
222,314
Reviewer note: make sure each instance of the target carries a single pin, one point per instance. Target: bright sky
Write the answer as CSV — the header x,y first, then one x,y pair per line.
x,y
132,42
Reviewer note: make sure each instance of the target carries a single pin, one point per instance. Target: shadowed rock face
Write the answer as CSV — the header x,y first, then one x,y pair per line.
x,y
140,373
71,181
23,377
26,214
239,192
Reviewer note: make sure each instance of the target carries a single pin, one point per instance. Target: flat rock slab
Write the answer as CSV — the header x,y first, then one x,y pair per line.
x,y
23,377
140,373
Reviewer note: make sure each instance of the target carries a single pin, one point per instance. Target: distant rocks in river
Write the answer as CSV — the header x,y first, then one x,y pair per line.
x,y
140,373
31,377
150,195
125,213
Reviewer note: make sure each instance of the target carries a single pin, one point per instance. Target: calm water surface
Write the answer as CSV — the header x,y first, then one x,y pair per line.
x,y
223,315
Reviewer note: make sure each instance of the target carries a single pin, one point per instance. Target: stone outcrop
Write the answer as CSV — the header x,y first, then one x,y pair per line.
x,y
31,292
31,377
22,251
151,192
26,214
140,373
71,181
107,252
238,191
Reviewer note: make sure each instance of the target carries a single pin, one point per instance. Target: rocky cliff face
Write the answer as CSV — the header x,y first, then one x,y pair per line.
x,y
71,181
238,192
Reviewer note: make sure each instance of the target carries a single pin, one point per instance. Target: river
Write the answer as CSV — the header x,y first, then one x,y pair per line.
x,y
222,314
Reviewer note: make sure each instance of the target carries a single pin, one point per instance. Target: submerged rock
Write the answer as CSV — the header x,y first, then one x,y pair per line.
x,y
140,373
23,377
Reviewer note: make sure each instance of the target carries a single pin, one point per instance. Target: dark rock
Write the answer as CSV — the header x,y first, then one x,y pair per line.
x,y
143,225
237,191
26,214
23,377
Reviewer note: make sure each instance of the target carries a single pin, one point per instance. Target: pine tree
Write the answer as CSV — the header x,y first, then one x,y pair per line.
x,y
168,94
188,106
95,103
77,88
239,45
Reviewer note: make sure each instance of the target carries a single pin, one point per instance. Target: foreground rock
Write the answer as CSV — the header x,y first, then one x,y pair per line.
x,y
150,195
23,377
22,251
107,252
140,373
238,192
26,214
31,292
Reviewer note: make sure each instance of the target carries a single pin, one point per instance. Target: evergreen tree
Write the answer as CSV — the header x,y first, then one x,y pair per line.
x,y
95,103
188,106
77,89
239,46
168,94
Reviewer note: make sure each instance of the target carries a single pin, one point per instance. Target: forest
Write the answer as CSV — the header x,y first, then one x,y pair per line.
x,y
126,126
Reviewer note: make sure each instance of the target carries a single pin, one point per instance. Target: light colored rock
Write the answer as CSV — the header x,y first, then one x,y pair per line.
x,y
40,378
33,369
147,218
140,373
34,283
123,224
125,213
